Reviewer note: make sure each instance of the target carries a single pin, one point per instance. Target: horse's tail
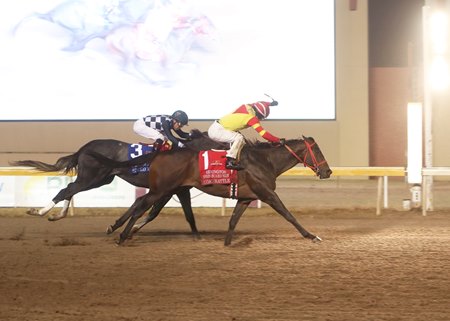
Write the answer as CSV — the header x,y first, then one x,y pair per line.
x,y
113,164
65,164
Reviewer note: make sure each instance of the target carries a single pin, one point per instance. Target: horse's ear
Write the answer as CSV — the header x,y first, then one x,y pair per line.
x,y
303,136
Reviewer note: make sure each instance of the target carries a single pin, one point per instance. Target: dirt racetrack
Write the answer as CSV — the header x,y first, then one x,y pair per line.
x,y
395,266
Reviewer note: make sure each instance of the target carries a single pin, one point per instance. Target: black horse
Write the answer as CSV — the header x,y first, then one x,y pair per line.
x,y
92,174
263,163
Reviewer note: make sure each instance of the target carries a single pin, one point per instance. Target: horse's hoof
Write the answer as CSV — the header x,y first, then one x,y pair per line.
x,y
55,218
109,230
316,239
122,239
119,241
134,229
33,211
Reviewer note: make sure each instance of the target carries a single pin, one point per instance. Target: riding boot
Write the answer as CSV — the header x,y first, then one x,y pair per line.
x,y
233,164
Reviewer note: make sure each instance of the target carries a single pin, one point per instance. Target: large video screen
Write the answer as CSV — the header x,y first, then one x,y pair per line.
x,y
124,59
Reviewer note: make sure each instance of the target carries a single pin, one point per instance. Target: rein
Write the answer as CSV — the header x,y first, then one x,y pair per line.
x,y
316,164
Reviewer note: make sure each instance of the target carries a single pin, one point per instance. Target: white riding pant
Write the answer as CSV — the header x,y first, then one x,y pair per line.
x,y
142,129
220,134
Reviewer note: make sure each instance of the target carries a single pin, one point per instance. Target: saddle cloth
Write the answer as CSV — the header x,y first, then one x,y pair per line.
x,y
136,150
212,168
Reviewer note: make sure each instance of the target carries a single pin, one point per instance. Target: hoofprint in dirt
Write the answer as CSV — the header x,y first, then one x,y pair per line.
x,y
389,267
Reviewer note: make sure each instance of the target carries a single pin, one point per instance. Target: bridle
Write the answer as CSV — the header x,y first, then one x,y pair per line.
x,y
315,166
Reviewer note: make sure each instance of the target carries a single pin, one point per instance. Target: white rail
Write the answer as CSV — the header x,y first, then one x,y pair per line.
x,y
381,172
430,172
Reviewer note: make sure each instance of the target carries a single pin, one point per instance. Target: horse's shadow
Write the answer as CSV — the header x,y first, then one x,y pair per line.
x,y
171,234
147,237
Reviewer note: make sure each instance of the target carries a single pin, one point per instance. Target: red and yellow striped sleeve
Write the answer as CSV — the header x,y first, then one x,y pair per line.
x,y
256,125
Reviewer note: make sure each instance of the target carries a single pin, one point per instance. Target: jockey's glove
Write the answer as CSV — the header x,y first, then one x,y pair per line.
x,y
282,141
180,144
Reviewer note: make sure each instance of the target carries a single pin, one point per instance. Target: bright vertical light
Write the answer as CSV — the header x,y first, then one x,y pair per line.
x,y
439,69
439,32
414,168
439,73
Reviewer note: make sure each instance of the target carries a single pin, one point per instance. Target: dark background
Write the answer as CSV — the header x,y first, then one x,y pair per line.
x,y
395,26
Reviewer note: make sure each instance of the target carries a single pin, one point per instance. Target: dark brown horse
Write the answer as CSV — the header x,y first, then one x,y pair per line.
x,y
263,163
91,174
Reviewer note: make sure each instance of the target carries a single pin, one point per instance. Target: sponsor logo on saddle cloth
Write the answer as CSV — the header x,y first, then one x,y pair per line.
x,y
212,168
136,150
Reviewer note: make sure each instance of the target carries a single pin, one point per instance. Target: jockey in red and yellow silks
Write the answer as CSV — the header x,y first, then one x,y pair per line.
x,y
248,115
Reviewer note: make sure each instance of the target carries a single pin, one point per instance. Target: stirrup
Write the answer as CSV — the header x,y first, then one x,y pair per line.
x,y
232,164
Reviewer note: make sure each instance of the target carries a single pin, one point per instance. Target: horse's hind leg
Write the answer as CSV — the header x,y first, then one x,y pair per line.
x,y
41,212
239,209
62,213
185,199
62,195
58,198
81,183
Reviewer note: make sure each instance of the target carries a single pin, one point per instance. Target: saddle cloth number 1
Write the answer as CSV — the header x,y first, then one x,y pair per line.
x,y
212,168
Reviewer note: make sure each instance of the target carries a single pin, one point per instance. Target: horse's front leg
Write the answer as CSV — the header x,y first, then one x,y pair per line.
x,y
239,209
274,201
139,207
154,212
125,216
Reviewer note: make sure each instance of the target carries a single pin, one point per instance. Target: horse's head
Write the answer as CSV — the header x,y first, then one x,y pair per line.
x,y
314,158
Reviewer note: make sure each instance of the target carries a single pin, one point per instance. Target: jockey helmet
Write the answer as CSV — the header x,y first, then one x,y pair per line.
x,y
181,117
262,108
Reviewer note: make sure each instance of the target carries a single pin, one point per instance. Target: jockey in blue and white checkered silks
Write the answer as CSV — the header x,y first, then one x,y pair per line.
x,y
160,128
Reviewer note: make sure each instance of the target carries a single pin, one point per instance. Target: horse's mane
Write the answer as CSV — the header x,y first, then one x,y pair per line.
x,y
250,143
201,141
196,133
254,143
